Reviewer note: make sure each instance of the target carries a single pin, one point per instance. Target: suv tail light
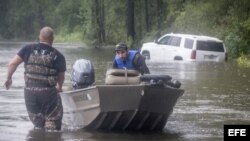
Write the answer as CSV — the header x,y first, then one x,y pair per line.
x,y
193,54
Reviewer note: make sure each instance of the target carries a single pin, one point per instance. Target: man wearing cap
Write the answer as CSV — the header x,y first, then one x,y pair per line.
x,y
129,59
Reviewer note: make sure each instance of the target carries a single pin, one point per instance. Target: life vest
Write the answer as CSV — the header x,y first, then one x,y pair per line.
x,y
128,63
39,71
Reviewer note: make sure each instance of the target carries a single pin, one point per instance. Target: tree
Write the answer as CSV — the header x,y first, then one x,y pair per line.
x,y
100,20
130,20
4,4
146,15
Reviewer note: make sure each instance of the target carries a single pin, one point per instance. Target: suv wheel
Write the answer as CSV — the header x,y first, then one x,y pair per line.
x,y
178,58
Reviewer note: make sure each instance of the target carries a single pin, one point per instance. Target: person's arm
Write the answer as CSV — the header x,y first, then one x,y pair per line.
x,y
60,66
140,64
143,66
11,69
114,64
60,81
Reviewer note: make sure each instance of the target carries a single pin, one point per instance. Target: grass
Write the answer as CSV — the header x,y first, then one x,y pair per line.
x,y
244,61
75,37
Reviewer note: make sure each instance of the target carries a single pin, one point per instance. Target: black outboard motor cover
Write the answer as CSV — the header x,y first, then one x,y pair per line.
x,y
160,80
83,74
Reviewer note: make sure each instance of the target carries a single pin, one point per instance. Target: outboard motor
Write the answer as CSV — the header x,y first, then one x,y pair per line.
x,y
83,74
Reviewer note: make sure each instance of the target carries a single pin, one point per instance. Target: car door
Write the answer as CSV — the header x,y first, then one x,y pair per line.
x,y
169,47
186,53
162,48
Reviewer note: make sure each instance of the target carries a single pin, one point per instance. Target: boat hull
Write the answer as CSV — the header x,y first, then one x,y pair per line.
x,y
120,107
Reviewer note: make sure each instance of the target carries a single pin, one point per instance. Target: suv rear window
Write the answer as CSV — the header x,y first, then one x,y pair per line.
x,y
210,46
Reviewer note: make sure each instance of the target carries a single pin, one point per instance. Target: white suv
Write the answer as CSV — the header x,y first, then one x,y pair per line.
x,y
185,47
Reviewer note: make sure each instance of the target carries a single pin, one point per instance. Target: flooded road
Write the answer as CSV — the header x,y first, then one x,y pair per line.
x,y
215,94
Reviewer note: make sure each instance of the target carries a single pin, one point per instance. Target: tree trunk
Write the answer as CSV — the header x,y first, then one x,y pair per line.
x,y
97,16
130,19
159,13
40,17
100,21
103,21
146,15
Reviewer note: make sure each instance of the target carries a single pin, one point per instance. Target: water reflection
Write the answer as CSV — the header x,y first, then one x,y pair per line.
x,y
82,135
215,94
41,135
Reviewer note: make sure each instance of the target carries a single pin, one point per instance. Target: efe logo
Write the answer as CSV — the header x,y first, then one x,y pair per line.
x,y
237,132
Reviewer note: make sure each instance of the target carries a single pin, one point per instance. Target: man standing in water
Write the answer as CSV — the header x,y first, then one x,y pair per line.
x,y
44,76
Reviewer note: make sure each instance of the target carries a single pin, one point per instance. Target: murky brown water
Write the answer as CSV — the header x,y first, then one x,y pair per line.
x,y
215,94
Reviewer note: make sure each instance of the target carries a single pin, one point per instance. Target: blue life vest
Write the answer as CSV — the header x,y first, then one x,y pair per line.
x,y
128,63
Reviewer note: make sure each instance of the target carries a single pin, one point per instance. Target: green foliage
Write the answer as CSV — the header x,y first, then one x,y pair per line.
x,y
225,19
116,21
244,61
71,15
74,37
236,31
82,21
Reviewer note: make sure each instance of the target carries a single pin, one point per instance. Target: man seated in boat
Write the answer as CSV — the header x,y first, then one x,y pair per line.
x,y
129,59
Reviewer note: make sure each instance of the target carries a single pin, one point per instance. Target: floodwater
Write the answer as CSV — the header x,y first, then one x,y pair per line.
x,y
215,94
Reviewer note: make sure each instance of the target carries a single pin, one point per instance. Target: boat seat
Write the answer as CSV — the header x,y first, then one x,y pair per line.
x,y
122,77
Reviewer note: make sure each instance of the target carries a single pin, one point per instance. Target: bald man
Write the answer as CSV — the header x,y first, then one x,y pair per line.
x,y
44,77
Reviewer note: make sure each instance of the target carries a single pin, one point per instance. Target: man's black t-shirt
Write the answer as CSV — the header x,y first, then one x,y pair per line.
x,y
60,63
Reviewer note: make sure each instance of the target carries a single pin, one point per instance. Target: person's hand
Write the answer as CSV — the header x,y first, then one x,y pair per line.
x,y
59,90
8,83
